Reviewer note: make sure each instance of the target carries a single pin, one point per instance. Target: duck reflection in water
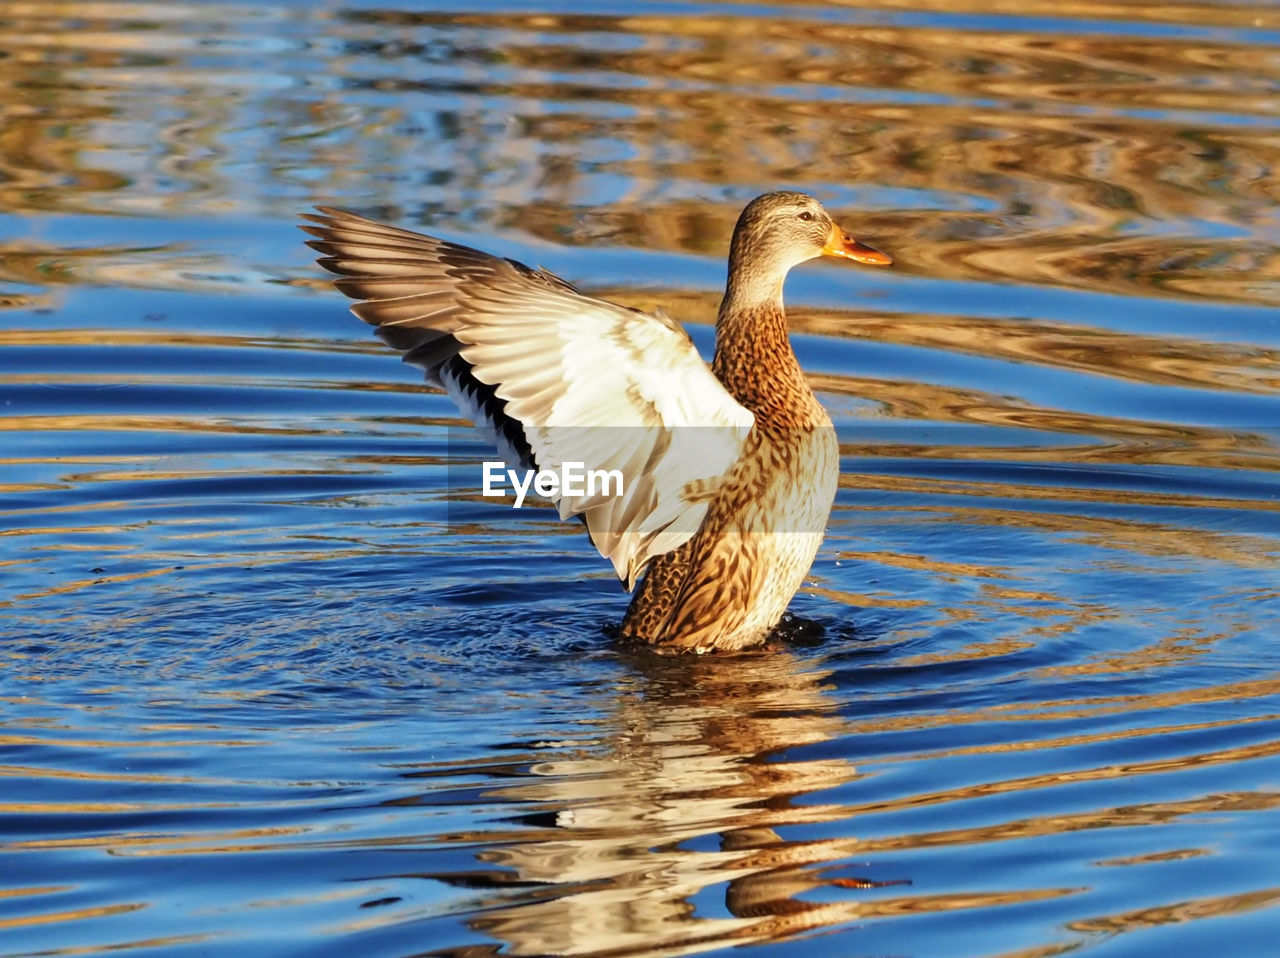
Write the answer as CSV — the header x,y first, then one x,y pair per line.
x,y
690,792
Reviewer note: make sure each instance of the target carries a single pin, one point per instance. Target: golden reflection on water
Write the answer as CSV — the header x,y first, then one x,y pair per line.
x,y
1157,360
1158,539
1086,160
1203,906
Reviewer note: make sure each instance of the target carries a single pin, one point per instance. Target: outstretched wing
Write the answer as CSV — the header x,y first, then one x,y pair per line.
x,y
555,376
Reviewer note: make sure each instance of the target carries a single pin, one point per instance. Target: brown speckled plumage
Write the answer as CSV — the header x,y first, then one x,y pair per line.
x,y
723,538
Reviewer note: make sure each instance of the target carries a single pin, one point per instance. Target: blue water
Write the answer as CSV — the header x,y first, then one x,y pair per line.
x,y
270,686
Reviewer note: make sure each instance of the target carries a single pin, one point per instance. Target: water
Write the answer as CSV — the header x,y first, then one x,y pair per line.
x,y
265,691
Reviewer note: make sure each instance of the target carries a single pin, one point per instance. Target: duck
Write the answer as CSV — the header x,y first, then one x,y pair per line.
x,y
727,471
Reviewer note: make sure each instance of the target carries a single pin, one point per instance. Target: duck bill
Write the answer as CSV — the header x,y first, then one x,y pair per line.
x,y
840,243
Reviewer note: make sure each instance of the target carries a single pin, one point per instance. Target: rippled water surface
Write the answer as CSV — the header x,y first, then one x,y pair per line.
x,y
263,691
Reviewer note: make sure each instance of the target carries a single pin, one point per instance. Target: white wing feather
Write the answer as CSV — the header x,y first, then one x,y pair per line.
x,y
589,381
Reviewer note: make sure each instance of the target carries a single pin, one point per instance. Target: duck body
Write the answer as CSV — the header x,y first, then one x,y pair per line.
x,y
728,586
719,537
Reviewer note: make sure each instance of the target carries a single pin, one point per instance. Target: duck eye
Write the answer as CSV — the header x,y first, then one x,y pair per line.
x,y
806,216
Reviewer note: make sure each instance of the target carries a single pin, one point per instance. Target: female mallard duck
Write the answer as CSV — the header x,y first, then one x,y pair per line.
x,y
729,471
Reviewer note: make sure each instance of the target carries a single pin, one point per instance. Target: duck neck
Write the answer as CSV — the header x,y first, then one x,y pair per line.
x,y
753,358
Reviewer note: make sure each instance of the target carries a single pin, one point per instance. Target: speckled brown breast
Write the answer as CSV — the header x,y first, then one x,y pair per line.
x,y
729,585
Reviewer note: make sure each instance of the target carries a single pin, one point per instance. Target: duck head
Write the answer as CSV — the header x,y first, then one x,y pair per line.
x,y
780,230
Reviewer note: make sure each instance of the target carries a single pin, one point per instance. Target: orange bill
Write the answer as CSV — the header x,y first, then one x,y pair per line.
x,y
840,243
